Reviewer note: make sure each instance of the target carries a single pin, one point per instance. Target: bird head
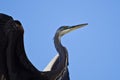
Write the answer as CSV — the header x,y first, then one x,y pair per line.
x,y
66,29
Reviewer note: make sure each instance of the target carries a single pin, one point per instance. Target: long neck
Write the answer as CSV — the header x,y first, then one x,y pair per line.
x,y
62,55
63,60
57,42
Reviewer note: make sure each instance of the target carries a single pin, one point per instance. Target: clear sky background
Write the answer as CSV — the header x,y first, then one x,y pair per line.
x,y
94,51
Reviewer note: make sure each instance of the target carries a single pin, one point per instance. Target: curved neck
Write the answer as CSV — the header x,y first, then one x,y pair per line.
x,y
57,42
62,56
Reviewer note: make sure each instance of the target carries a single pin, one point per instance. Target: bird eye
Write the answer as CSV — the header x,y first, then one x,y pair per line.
x,y
65,27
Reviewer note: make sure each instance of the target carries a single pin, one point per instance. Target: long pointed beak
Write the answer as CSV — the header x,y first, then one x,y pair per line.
x,y
72,28
77,26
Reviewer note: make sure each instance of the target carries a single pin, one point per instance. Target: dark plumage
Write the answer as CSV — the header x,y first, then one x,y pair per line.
x,y
14,64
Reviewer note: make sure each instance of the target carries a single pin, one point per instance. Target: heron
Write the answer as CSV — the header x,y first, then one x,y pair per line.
x,y
18,65
63,53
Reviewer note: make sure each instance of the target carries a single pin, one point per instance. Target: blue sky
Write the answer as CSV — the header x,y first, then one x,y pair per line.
x,y
94,51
